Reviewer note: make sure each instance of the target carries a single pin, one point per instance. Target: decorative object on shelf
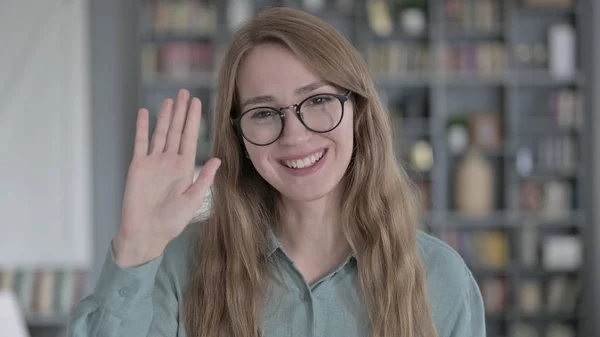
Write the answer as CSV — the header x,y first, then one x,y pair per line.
x,y
474,190
531,196
562,253
556,155
486,249
492,250
524,161
313,6
566,108
412,17
562,51
563,293
530,296
557,199
380,17
421,156
548,3
486,131
494,293
238,12
531,56
458,135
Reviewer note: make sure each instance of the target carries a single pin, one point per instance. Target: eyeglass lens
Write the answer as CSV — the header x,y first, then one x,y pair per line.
x,y
320,113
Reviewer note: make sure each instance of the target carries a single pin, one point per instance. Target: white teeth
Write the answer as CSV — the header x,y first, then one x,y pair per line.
x,y
305,162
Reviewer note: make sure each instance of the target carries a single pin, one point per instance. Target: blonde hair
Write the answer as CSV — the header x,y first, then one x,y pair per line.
x,y
228,262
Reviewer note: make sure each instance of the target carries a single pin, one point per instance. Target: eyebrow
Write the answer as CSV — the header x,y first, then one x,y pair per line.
x,y
270,99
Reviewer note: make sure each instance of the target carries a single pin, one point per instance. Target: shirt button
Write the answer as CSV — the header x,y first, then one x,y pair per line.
x,y
124,292
307,296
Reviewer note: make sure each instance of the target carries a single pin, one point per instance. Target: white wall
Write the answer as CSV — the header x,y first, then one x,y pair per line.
x,y
45,213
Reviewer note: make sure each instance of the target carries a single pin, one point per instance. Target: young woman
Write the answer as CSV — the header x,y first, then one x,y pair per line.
x,y
312,230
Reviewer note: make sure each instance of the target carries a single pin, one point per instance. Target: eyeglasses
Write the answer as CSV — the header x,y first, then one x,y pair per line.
x,y
319,113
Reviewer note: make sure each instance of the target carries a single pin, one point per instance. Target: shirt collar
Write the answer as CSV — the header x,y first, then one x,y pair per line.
x,y
272,243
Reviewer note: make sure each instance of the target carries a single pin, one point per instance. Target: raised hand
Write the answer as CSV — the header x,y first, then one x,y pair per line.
x,y
160,196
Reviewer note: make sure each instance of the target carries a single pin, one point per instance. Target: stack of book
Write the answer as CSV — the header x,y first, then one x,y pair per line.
x,y
45,292
481,59
180,17
396,58
469,15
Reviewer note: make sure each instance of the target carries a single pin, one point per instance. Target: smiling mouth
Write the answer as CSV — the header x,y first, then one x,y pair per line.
x,y
304,162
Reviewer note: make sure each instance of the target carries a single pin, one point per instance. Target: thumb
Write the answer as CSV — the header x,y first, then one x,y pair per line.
x,y
198,190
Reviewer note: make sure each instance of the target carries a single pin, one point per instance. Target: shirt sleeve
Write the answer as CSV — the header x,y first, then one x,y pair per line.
x,y
136,302
470,321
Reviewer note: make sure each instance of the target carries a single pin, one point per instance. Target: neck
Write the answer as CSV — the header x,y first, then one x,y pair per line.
x,y
313,228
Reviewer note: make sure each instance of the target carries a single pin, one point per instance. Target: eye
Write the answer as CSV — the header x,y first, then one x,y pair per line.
x,y
263,113
318,100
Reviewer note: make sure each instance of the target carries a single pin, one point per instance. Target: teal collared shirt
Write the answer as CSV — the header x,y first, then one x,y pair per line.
x,y
148,300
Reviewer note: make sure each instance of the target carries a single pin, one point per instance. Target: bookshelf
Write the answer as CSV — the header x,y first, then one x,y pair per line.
x,y
466,73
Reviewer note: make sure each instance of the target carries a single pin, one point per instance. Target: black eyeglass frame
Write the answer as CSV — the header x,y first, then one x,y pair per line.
x,y
237,121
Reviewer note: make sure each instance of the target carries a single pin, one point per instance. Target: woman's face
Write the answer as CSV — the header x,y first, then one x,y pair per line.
x,y
302,165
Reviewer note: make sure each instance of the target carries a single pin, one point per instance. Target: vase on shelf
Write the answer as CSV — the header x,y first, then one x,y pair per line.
x,y
474,189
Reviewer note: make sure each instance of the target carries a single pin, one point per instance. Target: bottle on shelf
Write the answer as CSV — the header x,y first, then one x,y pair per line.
x,y
474,190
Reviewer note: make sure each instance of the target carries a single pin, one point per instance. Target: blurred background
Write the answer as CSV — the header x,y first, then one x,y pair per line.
x,y
492,104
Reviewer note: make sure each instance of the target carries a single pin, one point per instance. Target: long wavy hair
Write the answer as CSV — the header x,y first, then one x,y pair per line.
x,y
229,269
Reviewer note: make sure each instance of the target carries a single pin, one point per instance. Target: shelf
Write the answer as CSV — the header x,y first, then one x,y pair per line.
x,y
403,80
494,34
546,174
492,154
37,320
412,126
549,10
527,78
545,125
574,219
474,80
204,80
160,38
543,78
502,220
519,94
546,317
525,272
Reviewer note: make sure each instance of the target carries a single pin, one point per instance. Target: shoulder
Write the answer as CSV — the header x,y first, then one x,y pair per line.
x,y
441,260
450,283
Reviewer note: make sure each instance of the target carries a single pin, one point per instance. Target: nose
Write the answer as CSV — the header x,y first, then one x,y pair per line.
x,y
294,132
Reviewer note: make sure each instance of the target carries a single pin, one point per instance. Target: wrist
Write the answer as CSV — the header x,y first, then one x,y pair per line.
x,y
129,253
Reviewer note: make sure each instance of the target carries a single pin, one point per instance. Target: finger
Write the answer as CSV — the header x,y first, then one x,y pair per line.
x,y
191,132
174,134
140,147
197,191
162,126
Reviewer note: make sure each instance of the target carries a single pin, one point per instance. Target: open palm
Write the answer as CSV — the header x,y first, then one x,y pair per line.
x,y
160,195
